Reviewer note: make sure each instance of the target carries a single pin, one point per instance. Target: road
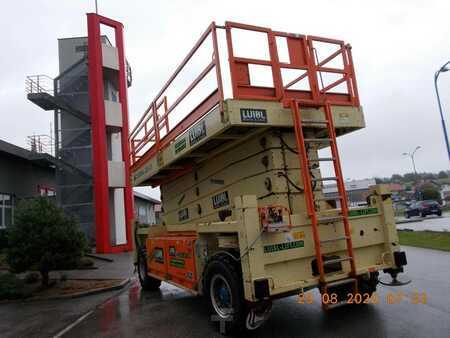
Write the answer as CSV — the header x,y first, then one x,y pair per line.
x,y
38,319
433,223
175,313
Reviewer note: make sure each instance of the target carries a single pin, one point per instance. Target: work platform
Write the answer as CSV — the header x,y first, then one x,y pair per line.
x,y
245,88
239,121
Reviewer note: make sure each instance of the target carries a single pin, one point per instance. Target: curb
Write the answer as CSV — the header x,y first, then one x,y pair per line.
x,y
83,293
409,221
122,285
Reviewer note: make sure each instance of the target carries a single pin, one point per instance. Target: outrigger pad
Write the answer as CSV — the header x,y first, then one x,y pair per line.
x,y
394,281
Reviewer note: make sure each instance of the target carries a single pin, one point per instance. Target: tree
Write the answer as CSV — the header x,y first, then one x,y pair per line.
x,y
411,177
396,178
379,180
430,193
442,174
428,176
43,238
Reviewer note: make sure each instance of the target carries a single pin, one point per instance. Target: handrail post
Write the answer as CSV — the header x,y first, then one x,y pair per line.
x,y
217,66
155,124
353,76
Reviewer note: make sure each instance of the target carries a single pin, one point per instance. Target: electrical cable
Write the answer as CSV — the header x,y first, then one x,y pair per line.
x,y
290,181
283,142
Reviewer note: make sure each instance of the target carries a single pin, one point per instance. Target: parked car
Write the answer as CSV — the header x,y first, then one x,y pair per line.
x,y
423,208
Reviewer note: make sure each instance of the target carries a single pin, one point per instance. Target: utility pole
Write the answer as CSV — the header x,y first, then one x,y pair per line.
x,y
411,155
96,7
444,68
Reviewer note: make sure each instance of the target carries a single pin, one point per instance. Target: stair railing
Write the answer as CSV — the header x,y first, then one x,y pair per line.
x,y
35,84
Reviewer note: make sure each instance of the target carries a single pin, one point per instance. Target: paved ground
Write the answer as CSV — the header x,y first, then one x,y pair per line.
x,y
46,318
175,313
434,223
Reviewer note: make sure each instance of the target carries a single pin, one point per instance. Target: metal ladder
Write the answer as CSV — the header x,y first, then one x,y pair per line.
x,y
306,164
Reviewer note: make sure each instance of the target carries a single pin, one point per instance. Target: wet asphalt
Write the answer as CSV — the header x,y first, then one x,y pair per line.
x,y
175,313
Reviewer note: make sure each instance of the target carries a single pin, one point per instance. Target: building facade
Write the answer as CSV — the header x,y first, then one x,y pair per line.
x,y
23,174
89,100
146,209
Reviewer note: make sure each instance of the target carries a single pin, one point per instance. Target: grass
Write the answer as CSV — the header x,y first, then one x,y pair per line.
x,y
425,239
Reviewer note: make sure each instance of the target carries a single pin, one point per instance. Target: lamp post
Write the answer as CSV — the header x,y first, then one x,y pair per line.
x,y
444,68
411,155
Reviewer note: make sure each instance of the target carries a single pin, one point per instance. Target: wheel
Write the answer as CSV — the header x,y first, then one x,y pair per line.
x,y
223,288
422,214
439,213
147,283
407,215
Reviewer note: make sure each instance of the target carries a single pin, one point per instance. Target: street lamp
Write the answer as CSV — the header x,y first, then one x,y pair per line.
x,y
444,68
411,155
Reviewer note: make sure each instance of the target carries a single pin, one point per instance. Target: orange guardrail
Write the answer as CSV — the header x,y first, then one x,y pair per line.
x,y
309,69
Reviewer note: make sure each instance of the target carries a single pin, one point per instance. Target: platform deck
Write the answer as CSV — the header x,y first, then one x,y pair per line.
x,y
218,131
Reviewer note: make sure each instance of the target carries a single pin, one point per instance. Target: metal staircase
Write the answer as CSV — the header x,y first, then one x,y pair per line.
x,y
39,92
318,217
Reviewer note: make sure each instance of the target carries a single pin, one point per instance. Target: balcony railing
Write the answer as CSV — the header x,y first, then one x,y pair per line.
x,y
35,84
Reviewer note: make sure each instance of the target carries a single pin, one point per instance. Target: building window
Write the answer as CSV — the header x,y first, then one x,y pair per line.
x,y
6,210
46,192
142,212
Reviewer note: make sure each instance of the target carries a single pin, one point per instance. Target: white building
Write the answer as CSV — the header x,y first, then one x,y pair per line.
x,y
357,191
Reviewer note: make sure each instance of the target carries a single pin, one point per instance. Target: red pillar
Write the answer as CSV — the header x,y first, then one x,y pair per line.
x,y
99,142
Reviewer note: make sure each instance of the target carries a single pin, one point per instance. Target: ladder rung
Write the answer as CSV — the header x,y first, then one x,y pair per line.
x,y
330,198
337,260
321,159
340,282
318,140
325,179
329,219
335,239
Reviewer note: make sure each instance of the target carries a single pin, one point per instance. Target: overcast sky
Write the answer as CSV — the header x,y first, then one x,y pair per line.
x,y
397,47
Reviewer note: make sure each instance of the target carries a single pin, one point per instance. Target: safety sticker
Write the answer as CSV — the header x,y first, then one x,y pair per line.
x,y
178,263
180,145
283,246
362,212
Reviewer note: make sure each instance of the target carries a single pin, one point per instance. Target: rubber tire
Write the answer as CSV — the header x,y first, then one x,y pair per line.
x,y
407,215
231,272
423,215
147,283
439,213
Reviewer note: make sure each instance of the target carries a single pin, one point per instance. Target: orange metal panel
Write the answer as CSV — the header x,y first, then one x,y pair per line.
x,y
242,74
172,257
157,257
297,52
181,261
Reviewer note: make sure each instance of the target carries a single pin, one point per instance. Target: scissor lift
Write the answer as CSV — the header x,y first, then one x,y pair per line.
x,y
230,228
